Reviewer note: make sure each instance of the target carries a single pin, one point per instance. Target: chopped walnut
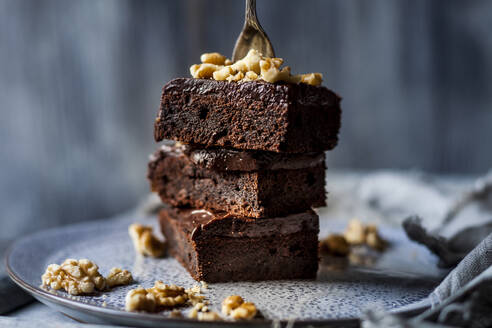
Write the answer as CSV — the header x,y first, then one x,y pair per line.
x,y
235,78
193,295
252,67
145,242
312,78
355,233
270,72
203,71
140,299
250,76
335,245
223,73
75,277
118,277
235,307
213,58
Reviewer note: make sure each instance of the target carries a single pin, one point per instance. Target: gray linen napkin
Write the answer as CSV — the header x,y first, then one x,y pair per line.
x,y
464,297
11,296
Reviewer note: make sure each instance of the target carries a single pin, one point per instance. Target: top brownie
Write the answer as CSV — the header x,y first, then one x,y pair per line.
x,y
280,117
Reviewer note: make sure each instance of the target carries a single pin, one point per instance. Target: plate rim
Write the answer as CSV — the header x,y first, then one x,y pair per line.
x,y
108,313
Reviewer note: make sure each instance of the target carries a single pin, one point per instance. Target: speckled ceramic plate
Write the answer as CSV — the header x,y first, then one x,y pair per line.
x,y
396,280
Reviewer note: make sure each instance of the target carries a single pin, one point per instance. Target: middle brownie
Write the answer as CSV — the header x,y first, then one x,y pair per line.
x,y
253,184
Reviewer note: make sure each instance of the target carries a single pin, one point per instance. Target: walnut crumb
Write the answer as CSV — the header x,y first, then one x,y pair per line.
x,y
118,277
355,233
194,290
193,295
75,277
235,307
145,242
335,245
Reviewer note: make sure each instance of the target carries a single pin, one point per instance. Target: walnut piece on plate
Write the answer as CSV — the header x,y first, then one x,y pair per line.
x,y
357,233
118,277
139,299
145,242
76,277
235,307
334,244
155,298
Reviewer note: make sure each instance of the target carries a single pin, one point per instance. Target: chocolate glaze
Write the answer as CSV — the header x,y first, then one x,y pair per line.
x,y
200,222
220,159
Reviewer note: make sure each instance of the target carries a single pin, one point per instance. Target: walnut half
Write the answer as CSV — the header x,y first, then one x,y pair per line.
x,y
75,277
154,298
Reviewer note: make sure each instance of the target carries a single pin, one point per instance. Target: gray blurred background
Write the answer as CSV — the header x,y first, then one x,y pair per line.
x,y
80,85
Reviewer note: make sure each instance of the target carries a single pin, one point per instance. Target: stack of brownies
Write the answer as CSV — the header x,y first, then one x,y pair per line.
x,y
240,184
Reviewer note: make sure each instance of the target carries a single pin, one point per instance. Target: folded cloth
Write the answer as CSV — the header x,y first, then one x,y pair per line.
x,y
464,297
471,230
29,323
11,295
478,263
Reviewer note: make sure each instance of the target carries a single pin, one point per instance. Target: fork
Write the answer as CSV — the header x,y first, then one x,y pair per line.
x,y
252,36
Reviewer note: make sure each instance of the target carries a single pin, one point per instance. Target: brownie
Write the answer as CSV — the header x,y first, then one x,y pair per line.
x,y
280,117
262,193
219,247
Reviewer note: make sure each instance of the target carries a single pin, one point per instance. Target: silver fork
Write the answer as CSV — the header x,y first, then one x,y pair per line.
x,y
252,36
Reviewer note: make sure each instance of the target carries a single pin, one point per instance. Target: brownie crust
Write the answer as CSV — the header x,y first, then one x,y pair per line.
x,y
218,247
280,117
258,194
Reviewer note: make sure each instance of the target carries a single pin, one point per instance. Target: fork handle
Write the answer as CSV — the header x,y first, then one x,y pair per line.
x,y
250,13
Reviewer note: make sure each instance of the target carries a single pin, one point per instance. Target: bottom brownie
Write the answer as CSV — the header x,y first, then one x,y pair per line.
x,y
217,247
